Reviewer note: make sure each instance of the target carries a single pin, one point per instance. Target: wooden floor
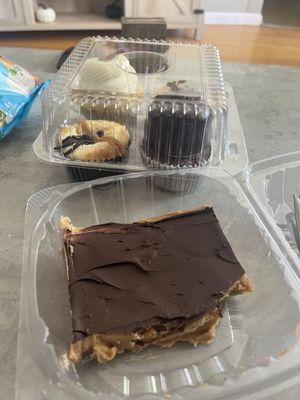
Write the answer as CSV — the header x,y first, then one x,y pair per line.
x,y
249,44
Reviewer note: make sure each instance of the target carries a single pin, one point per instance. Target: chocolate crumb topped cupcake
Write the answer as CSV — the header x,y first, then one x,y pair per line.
x,y
177,131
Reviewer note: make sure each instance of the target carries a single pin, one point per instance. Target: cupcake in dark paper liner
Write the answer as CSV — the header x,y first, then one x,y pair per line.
x,y
88,174
177,132
178,183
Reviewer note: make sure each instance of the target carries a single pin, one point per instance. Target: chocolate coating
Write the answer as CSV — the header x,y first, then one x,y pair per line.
x,y
126,277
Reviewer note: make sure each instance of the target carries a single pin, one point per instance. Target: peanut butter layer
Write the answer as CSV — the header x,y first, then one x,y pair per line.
x,y
201,331
107,345
154,282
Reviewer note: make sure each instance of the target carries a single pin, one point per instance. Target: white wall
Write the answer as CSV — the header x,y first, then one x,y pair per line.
x,y
166,7
158,8
242,12
216,11
225,5
255,6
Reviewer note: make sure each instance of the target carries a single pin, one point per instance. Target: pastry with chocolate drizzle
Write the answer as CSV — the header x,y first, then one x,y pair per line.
x,y
93,140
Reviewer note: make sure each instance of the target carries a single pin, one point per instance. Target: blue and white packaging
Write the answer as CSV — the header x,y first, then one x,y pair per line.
x,y
18,89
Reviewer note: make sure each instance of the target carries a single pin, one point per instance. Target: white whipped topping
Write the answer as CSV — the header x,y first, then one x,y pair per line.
x,y
116,75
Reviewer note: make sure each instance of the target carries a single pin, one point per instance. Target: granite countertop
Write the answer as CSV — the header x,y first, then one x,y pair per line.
x,y
268,98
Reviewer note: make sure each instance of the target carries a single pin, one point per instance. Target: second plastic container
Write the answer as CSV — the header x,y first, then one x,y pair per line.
x,y
257,345
273,183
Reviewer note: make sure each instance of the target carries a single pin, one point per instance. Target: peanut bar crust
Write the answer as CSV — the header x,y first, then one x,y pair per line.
x,y
154,282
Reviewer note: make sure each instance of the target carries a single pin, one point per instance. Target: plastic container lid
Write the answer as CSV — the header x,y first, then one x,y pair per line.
x,y
165,102
257,344
272,183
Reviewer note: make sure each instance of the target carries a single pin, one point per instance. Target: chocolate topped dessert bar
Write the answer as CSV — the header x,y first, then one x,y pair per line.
x,y
154,282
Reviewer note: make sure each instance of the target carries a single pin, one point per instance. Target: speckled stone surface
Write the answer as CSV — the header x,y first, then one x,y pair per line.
x,y
268,98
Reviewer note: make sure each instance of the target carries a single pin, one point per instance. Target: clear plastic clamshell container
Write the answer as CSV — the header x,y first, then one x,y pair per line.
x,y
165,104
256,351
273,183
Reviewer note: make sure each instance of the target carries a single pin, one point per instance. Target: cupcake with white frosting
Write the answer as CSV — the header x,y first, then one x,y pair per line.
x,y
115,84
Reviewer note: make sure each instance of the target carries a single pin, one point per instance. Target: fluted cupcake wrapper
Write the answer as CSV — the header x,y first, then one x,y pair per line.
x,y
178,183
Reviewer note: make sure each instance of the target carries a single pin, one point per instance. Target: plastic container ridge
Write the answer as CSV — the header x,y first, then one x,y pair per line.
x,y
272,183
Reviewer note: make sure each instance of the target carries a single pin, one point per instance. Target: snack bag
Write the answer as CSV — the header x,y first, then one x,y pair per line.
x,y
18,89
